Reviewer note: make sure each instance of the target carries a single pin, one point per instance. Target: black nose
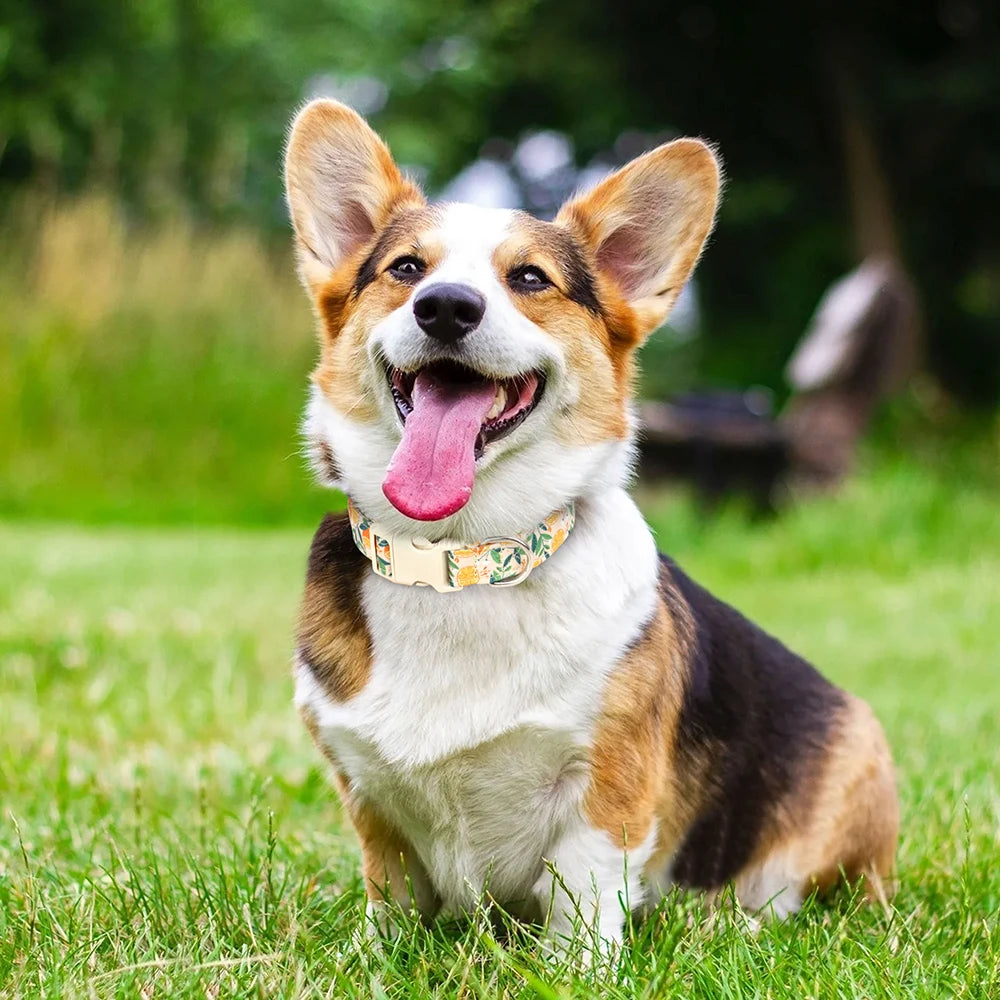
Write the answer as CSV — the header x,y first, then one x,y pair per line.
x,y
447,312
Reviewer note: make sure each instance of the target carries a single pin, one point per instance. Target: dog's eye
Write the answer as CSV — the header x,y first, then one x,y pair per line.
x,y
407,268
528,279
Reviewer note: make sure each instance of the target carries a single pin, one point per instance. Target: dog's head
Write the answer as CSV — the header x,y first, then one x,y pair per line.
x,y
476,363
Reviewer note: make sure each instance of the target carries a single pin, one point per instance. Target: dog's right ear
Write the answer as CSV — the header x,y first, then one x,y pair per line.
x,y
342,185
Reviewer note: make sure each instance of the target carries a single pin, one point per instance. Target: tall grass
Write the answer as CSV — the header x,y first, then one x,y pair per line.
x,y
148,374
167,829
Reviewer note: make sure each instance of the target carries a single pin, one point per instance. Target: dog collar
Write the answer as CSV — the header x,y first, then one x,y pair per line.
x,y
502,561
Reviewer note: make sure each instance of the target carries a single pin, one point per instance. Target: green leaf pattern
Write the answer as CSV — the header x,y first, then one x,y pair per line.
x,y
363,531
499,561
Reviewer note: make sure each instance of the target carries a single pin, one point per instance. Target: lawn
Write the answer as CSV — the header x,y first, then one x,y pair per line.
x,y
168,831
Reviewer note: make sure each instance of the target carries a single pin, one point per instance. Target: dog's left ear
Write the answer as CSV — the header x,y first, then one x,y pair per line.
x,y
647,224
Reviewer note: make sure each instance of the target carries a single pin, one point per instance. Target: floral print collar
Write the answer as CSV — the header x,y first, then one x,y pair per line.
x,y
448,566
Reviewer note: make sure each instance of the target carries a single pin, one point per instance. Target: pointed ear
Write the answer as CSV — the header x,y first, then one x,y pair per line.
x,y
648,222
341,183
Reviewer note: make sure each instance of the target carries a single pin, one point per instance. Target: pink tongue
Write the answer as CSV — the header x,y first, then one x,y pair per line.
x,y
431,472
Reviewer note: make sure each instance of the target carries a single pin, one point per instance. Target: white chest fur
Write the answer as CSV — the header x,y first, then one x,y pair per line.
x,y
472,731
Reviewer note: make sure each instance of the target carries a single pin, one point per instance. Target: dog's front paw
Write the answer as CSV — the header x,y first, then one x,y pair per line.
x,y
383,922
580,954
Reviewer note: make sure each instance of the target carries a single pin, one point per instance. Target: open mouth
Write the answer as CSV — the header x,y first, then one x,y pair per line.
x,y
450,413
513,398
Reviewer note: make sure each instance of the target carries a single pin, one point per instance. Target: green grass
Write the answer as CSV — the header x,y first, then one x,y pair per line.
x,y
166,828
168,831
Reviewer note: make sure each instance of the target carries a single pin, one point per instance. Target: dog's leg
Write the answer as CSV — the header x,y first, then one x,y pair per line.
x,y
392,872
590,884
771,890
393,875
851,830
856,813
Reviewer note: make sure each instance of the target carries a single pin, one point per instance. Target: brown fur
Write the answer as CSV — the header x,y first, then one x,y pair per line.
x,y
637,728
341,372
839,821
342,184
633,777
600,360
326,462
333,636
338,650
660,207
344,190
855,814
347,315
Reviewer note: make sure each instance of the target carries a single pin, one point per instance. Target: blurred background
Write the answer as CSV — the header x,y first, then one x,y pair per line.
x,y
166,826
154,344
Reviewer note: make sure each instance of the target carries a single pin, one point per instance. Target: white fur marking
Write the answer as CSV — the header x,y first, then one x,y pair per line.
x,y
772,888
471,732
591,881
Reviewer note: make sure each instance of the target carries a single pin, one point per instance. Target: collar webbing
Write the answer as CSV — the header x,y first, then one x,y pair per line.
x,y
502,561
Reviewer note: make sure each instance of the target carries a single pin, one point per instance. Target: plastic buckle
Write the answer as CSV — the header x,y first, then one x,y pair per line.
x,y
421,563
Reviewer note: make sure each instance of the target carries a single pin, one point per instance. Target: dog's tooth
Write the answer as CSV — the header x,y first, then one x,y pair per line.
x,y
499,404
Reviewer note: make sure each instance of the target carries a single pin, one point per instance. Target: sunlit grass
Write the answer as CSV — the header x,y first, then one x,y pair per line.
x,y
167,829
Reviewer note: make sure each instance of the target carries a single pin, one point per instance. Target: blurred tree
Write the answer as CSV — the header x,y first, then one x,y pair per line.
x,y
843,127
186,101
846,129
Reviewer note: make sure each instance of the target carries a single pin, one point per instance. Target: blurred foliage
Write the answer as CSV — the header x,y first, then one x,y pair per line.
x,y
179,107
157,374
185,102
145,375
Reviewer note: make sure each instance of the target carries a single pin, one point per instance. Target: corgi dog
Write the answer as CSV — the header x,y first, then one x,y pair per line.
x,y
522,702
